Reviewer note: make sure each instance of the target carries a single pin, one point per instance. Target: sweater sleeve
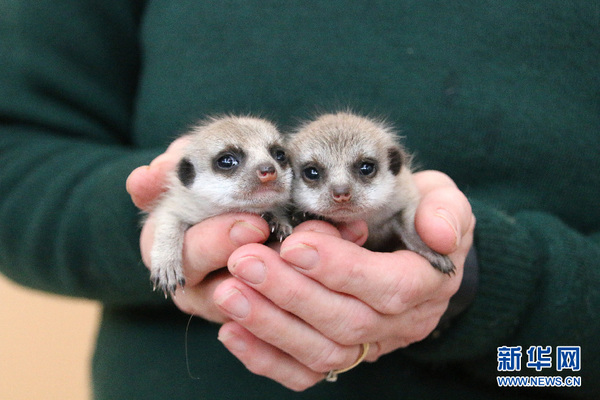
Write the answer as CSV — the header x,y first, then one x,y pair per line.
x,y
66,101
538,286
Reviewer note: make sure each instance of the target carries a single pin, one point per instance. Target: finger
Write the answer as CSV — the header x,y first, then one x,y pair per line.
x,y
444,214
318,226
388,282
345,318
208,244
355,231
442,219
266,360
429,180
146,183
198,299
281,329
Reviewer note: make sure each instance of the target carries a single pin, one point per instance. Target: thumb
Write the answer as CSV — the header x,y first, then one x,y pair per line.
x,y
444,214
144,184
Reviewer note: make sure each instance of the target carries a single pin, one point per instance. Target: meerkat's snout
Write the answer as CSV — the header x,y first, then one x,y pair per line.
x,y
341,193
266,173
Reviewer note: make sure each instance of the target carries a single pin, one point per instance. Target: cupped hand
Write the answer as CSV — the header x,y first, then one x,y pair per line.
x,y
297,314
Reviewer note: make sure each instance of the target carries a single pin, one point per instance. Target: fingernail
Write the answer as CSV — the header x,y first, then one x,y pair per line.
x,y
233,342
451,221
243,232
250,269
301,255
234,303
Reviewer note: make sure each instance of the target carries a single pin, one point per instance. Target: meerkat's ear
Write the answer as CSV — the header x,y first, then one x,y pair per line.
x,y
396,159
186,172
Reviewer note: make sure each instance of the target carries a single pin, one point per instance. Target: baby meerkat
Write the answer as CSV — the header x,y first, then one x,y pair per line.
x,y
231,164
349,167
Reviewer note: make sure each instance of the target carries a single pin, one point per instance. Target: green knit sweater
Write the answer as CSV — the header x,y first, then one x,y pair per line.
x,y
504,96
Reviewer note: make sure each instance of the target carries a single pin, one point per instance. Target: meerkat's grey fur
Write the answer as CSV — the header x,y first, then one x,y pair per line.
x,y
349,167
231,164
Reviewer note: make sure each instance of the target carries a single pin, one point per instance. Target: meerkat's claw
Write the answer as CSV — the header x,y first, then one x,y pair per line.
x,y
167,282
442,263
283,231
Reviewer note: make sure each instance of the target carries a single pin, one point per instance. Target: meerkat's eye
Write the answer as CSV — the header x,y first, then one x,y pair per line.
x,y
279,155
366,168
311,173
227,161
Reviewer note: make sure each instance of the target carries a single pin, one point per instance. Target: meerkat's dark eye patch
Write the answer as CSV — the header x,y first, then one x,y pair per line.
x,y
396,159
186,172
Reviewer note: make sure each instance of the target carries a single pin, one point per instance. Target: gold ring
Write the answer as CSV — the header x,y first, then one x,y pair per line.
x,y
333,374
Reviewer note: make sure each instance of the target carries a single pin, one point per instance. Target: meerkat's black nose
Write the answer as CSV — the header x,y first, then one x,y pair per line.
x,y
341,194
266,173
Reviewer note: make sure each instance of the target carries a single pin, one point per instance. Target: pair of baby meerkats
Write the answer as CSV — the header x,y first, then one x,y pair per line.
x,y
339,167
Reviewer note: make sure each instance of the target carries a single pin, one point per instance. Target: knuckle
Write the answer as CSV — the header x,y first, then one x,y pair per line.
x,y
185,303
421,331
399,295
271,368
290,298
330,357
423,320
298,382
355,328
263,366
300,385
354,276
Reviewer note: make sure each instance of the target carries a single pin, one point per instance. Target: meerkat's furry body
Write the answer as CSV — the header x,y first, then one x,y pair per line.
x,y
349,167
231,164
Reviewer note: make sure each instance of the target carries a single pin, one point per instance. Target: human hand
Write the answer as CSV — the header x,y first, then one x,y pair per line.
x,y
306,311
207,245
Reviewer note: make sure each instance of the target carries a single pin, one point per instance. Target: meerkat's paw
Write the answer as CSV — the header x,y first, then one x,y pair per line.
x,y
414,243
440,262
299,217
167,279
279,227
282,231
